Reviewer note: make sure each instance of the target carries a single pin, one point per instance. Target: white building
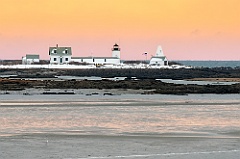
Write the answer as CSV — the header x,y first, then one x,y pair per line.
x,y
115,59
63,55
96,60
29,59
159,59
60,55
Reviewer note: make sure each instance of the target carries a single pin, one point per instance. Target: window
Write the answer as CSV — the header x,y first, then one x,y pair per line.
x,y
55,51
93,60
165,63
66,59
54,59
65,51
105,60
81,60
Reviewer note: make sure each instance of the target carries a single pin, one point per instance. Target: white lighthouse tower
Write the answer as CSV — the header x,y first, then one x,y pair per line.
x,y
116,51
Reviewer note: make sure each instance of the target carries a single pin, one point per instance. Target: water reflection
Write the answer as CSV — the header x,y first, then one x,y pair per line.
x,y
132,117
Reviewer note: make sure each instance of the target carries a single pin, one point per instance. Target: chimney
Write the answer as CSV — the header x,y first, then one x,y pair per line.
x,y
57,46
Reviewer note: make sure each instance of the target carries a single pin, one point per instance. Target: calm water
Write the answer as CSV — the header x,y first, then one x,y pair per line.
x,y
144,115
122,126
211,64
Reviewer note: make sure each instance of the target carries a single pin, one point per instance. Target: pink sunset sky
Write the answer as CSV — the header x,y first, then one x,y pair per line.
x,y
186,29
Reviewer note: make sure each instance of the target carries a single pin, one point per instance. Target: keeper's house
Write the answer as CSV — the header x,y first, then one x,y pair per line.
x,y
30,59
60,55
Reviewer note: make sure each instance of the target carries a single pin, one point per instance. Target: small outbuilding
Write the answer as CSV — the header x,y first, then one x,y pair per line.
x,y
30,59
159,59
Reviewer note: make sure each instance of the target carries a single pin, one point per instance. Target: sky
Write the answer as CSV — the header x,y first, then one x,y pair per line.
x,y
186,29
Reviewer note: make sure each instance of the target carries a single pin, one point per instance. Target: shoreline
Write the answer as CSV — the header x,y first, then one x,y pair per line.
x,y
148,80
127,98
144,86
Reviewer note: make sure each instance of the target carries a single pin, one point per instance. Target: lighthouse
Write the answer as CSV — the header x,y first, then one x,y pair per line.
x,y
116,51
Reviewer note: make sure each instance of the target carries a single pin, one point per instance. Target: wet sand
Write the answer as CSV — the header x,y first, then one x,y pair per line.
x,y
43,146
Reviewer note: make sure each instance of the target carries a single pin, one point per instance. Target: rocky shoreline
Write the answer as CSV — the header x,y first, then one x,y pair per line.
x,y
146,80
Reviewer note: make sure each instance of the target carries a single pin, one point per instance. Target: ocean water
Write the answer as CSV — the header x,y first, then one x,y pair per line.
x,y
130,125
211,64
